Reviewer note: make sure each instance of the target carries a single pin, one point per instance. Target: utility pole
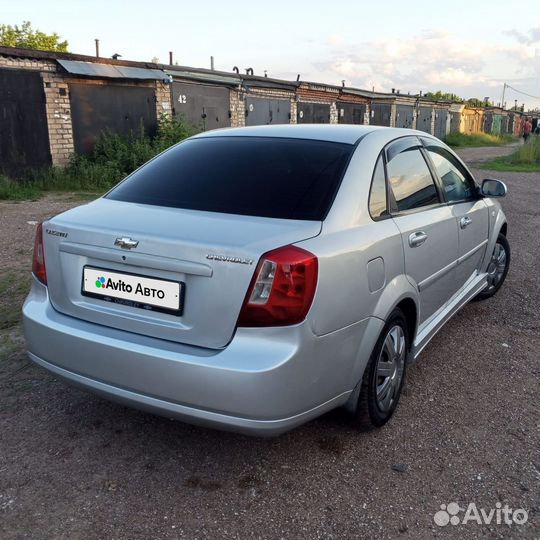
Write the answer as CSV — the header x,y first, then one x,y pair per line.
x,y
504,91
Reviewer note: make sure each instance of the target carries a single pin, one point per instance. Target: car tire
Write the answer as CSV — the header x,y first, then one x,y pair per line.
x,y
384,375
497,268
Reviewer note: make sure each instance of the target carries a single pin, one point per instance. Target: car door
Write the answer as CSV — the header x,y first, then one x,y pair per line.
x,y
427,225
469,210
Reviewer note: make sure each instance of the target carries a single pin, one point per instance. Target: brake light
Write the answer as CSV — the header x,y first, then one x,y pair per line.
x,y
38,262
282,289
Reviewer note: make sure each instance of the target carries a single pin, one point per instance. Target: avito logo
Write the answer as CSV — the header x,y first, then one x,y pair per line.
x,y
119,285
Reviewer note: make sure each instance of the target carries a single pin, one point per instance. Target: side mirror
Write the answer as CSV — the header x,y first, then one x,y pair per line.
x,y
493,188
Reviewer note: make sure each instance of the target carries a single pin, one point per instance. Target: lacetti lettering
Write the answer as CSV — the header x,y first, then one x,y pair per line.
x,y
119,285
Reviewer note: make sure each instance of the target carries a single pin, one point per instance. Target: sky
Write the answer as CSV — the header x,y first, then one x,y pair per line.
x,y
470,48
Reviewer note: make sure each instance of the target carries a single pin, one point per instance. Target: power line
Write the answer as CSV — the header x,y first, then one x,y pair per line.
x,y
521,92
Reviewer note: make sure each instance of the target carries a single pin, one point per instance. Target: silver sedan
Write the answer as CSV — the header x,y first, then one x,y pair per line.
x,y
252,279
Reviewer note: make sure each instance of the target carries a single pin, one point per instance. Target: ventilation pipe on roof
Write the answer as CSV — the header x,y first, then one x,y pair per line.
x,y
212,63
298,77
170,58
393,90
236,70
343,83
265,73
249,71
97,47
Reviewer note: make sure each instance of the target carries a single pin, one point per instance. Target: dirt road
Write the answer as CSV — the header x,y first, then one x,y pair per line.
x,y
466,431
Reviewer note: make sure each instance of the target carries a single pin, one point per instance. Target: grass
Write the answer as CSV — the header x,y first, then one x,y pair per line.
x,y
114,157
17,191
460,140
525,159
13,288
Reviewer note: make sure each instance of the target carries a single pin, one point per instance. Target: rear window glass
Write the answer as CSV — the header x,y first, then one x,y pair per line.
x,y
256,176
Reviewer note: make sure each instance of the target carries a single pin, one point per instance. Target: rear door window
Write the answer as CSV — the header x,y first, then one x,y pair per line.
x,y
256,176
410,178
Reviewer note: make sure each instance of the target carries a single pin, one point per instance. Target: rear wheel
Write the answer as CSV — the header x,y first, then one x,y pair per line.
x,y
384,375
497,268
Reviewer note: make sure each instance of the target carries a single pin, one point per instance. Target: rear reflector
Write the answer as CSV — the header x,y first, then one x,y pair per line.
x,y
38,262
282,289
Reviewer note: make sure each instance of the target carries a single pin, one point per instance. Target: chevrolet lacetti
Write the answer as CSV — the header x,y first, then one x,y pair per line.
x,y
252,279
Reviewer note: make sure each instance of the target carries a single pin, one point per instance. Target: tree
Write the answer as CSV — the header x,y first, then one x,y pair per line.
x,y
26,37
447,96
475,102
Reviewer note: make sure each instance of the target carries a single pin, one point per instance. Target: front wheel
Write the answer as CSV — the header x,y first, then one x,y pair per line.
x,y
497,268
384,375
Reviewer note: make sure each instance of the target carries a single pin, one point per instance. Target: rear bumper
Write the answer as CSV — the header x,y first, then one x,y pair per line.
x,y
265,382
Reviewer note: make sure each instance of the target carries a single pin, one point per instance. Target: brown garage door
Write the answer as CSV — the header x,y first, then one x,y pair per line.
x,y
24,137
114,108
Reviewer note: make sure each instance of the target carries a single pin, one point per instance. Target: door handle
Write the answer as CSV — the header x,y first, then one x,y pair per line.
x,y
464,221
417,238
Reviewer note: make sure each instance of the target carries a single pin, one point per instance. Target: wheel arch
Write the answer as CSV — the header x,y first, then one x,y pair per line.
x,y
400,293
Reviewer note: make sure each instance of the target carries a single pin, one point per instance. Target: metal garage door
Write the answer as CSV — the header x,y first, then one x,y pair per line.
x,y
350,113
423,120
380,114
262,111
24,137
441,116
488,122
118,109
404,116
206,107
313,113
455,120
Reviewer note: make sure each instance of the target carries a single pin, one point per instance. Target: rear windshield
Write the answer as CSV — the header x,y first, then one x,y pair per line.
x,y
255,176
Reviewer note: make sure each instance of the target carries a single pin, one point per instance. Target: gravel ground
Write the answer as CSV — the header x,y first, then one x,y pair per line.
x,y
466,431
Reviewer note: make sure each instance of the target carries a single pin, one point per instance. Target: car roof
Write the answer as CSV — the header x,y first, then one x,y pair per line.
x,y
339,133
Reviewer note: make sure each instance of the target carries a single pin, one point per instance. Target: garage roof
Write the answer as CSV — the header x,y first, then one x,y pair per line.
x,y
93,69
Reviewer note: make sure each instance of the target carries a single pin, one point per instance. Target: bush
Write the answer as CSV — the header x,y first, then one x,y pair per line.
x,y
477,139
114,157
525,159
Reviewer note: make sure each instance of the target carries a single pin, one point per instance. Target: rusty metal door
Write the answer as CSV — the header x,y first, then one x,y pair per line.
x,y
404,116
380,114
264,111
24,135
204,106
350,113
423,120
313,113
114,108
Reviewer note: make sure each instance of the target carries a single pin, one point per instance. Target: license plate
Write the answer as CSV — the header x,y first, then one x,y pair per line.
x,y
133,290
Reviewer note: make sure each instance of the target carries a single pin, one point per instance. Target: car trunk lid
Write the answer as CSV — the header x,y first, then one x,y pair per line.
x,y
212,255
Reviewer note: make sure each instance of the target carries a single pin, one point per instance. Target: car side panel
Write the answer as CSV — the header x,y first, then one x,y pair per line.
x,y
345,265
473,237
496,220
431,266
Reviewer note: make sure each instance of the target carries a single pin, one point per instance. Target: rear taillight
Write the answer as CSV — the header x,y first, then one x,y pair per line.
x,y
282,289
38,262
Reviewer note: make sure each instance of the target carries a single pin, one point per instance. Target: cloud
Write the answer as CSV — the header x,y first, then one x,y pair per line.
x,y
433,60
529,37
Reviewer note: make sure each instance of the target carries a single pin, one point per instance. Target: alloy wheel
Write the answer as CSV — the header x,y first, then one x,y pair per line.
x,y
496,266
390,367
